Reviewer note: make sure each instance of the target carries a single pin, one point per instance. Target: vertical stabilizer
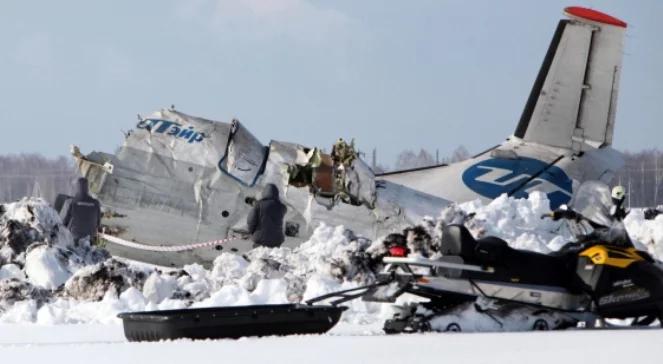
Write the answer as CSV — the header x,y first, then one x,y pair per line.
x,y
573,101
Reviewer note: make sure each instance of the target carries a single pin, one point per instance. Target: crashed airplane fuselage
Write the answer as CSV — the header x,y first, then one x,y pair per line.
x,y
180,179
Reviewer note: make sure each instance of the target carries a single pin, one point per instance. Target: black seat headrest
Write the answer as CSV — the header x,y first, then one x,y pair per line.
x,y
457,240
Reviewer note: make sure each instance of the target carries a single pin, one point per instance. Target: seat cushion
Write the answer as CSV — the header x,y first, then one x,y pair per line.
x,y
490,250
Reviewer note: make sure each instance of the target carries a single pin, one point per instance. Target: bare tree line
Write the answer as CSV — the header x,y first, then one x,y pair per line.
x,y
642,177
409,159
35,175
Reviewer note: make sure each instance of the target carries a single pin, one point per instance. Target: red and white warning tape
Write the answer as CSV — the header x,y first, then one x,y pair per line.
x,y
164,248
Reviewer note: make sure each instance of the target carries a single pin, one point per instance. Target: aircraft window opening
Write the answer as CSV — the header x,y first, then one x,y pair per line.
x,y
225,213
218,247
190,169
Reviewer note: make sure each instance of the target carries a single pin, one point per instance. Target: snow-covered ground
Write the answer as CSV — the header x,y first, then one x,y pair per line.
x,y
90,343
57,298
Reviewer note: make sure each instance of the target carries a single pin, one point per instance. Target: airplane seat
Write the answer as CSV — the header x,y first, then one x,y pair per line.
x,y
323,177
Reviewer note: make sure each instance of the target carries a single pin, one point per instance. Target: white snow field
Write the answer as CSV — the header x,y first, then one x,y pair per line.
x,y
95,343
59,301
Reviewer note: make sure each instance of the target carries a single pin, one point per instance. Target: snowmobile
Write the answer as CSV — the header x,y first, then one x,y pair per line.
x,y
485,285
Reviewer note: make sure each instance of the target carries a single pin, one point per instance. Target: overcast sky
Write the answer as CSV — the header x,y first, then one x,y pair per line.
x,y
392,74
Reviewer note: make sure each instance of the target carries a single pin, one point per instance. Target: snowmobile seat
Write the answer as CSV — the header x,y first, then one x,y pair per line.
x,y
490,250
511,264
536,268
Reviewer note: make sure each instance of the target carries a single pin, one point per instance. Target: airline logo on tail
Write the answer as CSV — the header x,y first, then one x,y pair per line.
x,y
518,177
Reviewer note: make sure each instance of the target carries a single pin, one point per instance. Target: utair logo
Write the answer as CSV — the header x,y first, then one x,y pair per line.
x,y
517,177
176,130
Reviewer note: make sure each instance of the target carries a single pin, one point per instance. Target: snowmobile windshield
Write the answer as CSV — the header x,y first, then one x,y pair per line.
x,y
592,200
618,235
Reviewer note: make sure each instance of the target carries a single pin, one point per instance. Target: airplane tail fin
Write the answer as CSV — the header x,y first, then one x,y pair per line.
x,y
573,101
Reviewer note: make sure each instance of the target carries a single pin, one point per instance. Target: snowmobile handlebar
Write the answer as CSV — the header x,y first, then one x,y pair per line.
x,y
563,214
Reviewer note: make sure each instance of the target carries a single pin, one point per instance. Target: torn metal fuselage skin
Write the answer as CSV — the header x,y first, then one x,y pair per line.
x,y
180,179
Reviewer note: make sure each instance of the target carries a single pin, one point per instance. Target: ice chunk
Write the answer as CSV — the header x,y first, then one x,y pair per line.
x,y
46,267
159,287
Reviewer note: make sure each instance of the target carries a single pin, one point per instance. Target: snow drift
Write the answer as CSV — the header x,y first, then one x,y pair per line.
x,y
46,278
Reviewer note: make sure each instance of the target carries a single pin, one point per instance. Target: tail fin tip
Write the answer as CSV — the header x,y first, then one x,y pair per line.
x,y
581,13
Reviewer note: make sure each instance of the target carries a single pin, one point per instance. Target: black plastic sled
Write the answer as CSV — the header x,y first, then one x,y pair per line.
x,y
230,322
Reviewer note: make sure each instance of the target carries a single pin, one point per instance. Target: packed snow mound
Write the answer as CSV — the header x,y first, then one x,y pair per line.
x,y
46,278
647,232
27,222
93,282
37,248
46,267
